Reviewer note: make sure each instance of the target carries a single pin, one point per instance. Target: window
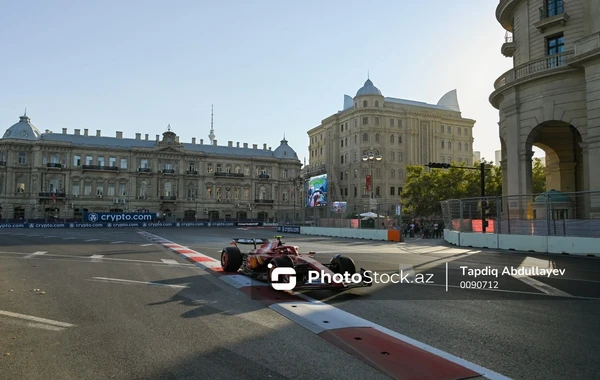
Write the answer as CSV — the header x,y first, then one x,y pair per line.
x,y
450,129
77,160
376,120
466,132
392,156
442,129
20,187
555,45
365,120
111,189
122,189
89,160
285,173
342,141
554,7
401,175
112,161
393,173
209,192
209,169
392,138
238,170
399,139
459,145
123,163
466,146
246,194
376,103
236,193
391,122
449,144
365,103
341,159
54,159
191,166
144,163
87,189
459,131
377,137
99,190
442,144
100,161
392,190
356,139
228,169
75,190
22,158
143,189
168,189
218,192
346,141
400,156
365,137
246,170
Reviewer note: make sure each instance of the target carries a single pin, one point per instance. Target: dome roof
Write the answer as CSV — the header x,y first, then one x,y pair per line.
x,y
23,130
554,196
285,151
368,89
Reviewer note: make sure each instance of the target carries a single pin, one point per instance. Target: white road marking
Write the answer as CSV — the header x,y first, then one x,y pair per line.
x,y
35,319
69,238
117,242
96,258
34,254
92,239
146,245
104,258
19,322
49,236
170,261
530,262
139,282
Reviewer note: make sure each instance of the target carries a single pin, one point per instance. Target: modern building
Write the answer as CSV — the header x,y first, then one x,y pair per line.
x,y
389,133
63,175
497,157
550,98
476,156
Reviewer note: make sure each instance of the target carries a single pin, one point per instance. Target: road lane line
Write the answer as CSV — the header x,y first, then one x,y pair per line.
x,y
170,261
139,282
545,288
104,258
34,254
92,240
96,258
117,242
146,245
35,319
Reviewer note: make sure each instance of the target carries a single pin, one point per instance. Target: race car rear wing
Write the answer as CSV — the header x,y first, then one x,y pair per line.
x,y
255,241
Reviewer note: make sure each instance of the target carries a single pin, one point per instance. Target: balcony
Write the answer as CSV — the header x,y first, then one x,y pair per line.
x,y
552,15
531,70
100,168
232,175
264,201
263,176
192,172
509,46
168,171
53,165
315,170
168,198
2,163
49,195
144,170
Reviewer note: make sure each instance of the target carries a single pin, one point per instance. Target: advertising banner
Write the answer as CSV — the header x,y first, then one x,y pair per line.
x,y
317,191
107,217
339,207
289,229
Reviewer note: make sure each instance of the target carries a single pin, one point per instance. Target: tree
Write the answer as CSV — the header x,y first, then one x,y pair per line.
x,y
538,176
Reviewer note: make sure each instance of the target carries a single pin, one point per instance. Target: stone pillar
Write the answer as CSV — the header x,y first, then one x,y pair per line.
x,y
592,169
525,169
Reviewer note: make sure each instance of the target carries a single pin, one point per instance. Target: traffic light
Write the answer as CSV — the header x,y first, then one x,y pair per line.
x,y
438,165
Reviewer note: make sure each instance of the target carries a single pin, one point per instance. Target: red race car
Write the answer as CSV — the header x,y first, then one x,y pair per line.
x,y
259,263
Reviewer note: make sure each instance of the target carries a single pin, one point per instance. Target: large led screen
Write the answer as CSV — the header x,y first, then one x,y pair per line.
x,y
317,191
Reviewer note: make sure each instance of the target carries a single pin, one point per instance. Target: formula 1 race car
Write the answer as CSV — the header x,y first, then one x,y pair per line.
x,y
259,263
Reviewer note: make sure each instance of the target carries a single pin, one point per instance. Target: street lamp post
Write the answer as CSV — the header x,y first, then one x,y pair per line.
x,y
372,156
295,182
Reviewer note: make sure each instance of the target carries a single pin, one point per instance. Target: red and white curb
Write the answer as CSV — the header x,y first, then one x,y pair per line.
x,y
394,354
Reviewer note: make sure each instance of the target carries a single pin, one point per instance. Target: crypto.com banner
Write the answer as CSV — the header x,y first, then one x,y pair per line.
x,y
111,217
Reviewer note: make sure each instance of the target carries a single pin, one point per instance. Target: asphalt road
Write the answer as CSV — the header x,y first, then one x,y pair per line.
x,y
68,313
525,328
123,308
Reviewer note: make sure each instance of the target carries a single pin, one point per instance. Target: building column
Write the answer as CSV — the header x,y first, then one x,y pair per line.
x,y
592,174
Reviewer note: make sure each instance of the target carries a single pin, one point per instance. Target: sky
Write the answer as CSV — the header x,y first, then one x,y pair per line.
x,y
268,67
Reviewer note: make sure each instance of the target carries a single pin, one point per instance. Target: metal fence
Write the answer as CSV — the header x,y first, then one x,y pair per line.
x,y
352,215
548,214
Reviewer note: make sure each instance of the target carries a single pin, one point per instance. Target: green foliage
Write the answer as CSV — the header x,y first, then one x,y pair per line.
x,y
424,188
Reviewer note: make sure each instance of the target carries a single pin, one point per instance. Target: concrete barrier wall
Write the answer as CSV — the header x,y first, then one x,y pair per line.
x,y
352,233
580,246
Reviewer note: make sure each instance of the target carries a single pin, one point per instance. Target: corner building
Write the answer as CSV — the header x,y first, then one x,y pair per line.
x,y
403,132
550,99
62,175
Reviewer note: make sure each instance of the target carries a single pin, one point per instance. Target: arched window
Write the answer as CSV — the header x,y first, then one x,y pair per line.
x,y
262,193
356,139
376,103
346,141
399,139
366,137
168,189
459,146
392,138
466,146
449,144
364,103
377,137
442,144
238,169
400,174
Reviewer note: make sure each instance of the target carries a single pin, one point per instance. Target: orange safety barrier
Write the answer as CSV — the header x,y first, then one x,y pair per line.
x,y
393,235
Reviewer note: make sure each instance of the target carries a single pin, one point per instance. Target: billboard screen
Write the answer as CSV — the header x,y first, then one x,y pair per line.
x,y
317,191
339,207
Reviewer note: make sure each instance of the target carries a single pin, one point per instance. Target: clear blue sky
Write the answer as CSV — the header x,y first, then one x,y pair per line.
x,y
269,67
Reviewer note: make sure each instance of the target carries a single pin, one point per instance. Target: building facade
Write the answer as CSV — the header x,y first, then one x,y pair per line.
x,y
551,97
63,175
397,132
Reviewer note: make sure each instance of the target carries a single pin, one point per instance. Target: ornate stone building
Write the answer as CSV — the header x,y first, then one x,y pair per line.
x,y
398,132
48,175
550,98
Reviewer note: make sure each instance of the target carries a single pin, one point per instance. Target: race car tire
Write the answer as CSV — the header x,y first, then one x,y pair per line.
x,y
343,264
231,259
280,262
